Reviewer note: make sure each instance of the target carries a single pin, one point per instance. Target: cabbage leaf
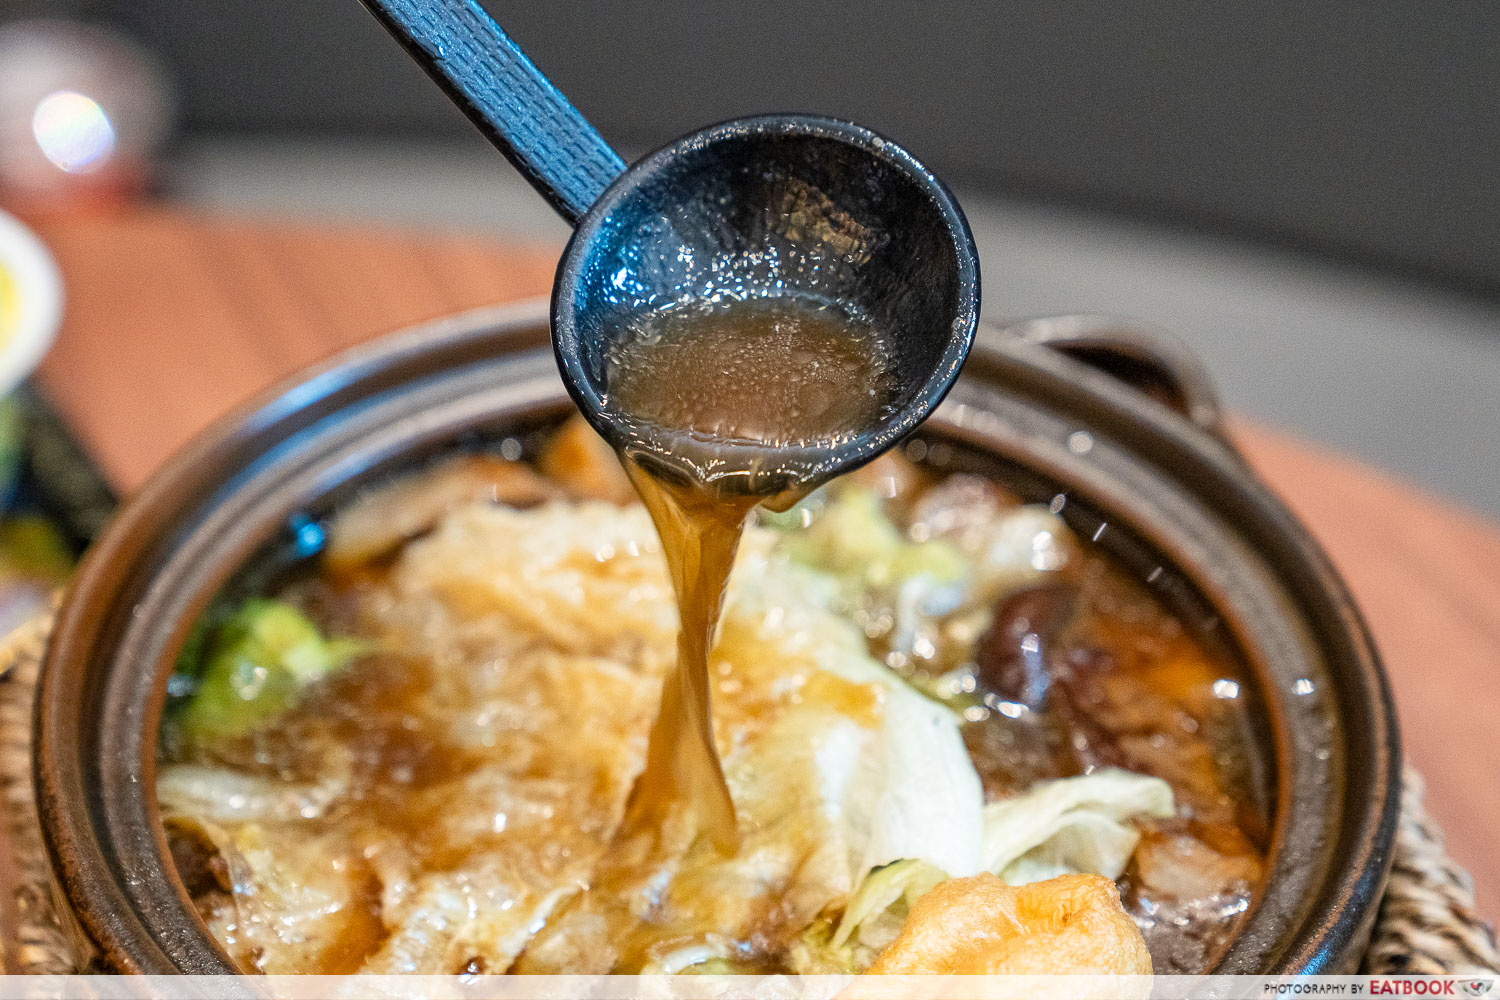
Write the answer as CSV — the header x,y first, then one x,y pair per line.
x,y
1071,825
852,539
907,788
1076,824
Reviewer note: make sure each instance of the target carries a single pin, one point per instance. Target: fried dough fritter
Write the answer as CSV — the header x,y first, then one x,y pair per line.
x,y
979,926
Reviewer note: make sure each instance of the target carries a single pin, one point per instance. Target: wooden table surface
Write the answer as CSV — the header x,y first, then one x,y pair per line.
x,y
172,319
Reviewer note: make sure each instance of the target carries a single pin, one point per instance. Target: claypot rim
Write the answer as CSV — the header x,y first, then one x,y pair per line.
x,y
139,921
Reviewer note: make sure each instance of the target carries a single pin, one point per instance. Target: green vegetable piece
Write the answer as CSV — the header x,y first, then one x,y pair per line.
x,y
815,954
902,882
258,661
853,539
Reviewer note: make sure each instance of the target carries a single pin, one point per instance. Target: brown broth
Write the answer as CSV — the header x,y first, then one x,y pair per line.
x,y
1133,687
700,534
721,398
772,373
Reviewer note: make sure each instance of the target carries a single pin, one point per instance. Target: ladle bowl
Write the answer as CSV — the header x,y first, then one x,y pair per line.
x,y
776,206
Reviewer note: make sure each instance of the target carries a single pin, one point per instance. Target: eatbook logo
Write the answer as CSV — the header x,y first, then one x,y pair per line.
x,y
1478,987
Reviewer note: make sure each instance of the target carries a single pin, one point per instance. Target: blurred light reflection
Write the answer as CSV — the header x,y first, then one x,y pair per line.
x,y
73,131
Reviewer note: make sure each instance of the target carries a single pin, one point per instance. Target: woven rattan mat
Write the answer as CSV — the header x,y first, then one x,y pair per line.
x,y
1427,923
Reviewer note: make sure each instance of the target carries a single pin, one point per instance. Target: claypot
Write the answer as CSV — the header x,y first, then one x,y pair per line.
x,y
1108,417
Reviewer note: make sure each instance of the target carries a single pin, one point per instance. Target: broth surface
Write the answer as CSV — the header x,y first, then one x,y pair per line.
x,y
773,373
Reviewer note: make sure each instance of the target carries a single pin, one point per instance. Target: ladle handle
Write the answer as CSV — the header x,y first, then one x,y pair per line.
x,y
489,77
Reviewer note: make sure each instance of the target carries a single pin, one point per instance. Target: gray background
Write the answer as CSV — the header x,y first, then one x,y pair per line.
x,y
1369,128
1306,192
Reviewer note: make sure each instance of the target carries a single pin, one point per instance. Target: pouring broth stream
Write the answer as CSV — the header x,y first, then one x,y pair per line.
x,y
727,404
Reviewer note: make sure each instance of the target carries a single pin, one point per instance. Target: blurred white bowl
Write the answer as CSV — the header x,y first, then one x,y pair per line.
x,y
31,302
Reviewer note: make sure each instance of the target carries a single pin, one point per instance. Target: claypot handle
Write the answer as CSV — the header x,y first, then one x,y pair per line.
x,y
1147,359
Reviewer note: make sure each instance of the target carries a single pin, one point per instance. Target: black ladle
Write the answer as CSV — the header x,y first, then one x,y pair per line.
x,y
776,205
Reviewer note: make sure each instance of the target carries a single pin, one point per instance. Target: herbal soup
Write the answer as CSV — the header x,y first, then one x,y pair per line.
x,y
957,738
